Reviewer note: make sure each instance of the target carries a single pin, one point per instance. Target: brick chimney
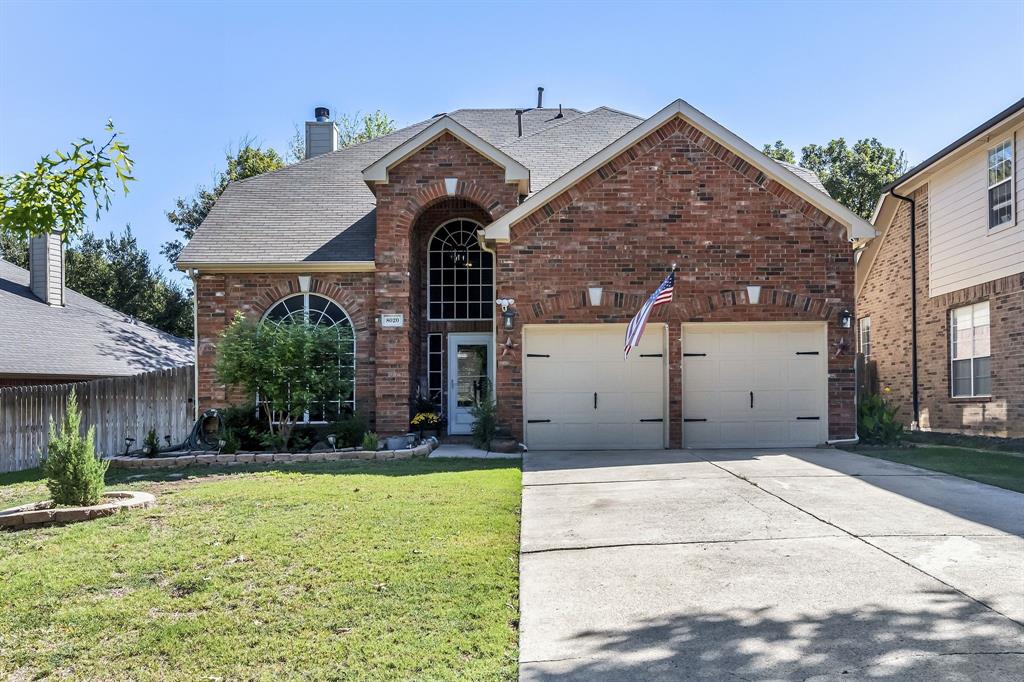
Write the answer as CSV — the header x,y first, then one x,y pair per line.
x,y
321,134
46,268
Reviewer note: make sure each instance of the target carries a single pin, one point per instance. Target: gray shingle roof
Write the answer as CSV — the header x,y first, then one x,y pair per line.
x,y
82,338
321,210
808,176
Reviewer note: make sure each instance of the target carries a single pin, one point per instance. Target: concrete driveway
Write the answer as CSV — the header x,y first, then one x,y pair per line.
x,y
807,564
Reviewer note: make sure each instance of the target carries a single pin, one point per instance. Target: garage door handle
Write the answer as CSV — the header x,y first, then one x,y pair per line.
x,y
595,400
751,400
538,421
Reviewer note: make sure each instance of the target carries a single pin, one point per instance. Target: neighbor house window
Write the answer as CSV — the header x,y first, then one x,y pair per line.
x,y
865,336
460,274
971,371
319,311
1000,184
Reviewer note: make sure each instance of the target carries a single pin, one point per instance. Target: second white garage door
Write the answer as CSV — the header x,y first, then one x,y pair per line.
x,y
754,385
579,393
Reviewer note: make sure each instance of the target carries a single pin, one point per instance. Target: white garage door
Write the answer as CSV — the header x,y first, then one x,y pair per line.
x,y
758,384
579,393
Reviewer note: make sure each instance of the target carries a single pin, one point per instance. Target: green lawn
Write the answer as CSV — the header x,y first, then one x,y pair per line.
x,y
368,571
1001,469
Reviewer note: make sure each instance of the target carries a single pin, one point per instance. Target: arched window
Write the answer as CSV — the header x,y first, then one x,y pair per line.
x,y
460,274
319,311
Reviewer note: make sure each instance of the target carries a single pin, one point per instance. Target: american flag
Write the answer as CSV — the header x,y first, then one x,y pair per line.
x,y
661,295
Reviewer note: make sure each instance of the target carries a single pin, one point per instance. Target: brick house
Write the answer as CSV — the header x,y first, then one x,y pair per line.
x,y
570,219
961,208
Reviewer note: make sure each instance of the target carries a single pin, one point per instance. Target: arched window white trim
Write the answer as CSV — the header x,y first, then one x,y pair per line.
x,y
460,274
317,310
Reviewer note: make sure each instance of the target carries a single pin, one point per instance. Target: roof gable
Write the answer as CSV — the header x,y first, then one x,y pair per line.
x,y
856,227
515,172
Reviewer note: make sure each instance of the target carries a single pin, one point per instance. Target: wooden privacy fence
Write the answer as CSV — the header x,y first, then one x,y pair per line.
x,y
120,407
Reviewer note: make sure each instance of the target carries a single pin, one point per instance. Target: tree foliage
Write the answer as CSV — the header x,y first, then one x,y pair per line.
x,y
351,130
54,196
116,272
293,367
14,249
189,212
854,176
74,473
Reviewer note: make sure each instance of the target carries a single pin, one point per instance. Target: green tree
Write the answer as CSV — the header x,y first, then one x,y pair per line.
x,y
779,151
14,249
351,130
189,212
116,272
54,196
854,176
74,473
292,367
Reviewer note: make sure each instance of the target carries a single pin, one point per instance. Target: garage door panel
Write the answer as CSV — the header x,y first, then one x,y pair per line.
x,y
782,364
586,360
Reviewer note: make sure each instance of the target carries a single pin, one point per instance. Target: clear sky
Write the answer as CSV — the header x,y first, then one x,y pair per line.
x,y
185,80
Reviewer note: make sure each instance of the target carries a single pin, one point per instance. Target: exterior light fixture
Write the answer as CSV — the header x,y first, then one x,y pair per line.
x,y
845,318
595,294
332,439
220,445
753,294
508,315
128,443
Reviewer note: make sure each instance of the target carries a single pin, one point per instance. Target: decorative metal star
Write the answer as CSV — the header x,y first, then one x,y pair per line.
x,y
510,347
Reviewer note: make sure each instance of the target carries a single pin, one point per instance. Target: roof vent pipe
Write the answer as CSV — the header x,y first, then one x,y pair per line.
x,y
540,97
519,120
559,111
322,114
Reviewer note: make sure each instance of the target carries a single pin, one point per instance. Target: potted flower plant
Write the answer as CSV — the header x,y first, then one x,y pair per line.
x,y
427,423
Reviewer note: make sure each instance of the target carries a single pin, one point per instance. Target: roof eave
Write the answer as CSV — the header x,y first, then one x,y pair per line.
x,y
289,266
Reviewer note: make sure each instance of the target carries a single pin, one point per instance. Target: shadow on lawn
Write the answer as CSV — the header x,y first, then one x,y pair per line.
x,y
950,638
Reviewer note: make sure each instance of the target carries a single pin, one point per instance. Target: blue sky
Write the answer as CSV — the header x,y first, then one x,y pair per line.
x,y
186,80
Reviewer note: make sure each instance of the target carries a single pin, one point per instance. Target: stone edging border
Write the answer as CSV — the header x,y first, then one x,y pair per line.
x,y
213,459
42,513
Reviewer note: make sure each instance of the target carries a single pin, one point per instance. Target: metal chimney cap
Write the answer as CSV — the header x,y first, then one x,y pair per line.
x,y
322,114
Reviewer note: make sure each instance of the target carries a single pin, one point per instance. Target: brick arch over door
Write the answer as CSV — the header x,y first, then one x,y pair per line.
x,y
437,191
353,306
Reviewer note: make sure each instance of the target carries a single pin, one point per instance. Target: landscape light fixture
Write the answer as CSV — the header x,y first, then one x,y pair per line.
x,y
128,440
332,439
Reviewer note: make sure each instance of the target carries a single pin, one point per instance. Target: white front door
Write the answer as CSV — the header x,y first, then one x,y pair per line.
x,y
754,385
469,367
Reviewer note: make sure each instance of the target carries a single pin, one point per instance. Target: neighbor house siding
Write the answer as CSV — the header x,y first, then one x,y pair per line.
x,y
885,297
964,250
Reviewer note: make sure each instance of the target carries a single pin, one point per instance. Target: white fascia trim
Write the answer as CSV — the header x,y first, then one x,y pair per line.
x,y
515,172
297,266
856,227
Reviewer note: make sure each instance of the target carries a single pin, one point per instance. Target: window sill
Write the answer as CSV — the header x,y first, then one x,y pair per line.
x,y
971,399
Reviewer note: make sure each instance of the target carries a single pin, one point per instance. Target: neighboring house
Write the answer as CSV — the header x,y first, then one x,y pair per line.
x,y
965,206
573,218
52,335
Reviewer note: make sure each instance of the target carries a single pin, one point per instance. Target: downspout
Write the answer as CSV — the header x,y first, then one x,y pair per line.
x,y
194,276
913,308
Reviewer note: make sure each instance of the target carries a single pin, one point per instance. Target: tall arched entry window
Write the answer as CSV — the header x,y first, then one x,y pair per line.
x,y
460,274
320,311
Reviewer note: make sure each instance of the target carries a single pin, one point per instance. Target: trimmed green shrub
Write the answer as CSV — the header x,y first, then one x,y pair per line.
x,y
303,439
371,442
151,443
349,431
74,473
243,421
877,423
485,414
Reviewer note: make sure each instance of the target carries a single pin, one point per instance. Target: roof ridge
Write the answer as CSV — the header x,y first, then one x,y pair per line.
x,y
583,114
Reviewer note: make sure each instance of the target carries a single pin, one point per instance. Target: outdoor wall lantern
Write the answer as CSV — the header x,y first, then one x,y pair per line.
x,y
845,318
508,315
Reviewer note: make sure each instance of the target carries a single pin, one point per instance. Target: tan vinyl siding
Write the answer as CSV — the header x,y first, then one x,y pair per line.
x,y
964,250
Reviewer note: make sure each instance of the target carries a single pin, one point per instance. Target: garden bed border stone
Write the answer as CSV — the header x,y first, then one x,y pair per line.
x,y
43,513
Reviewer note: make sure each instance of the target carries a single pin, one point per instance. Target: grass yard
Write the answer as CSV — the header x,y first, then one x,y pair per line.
x,y
368,571
1005,470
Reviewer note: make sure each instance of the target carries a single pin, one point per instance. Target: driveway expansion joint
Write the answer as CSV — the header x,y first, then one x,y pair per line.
x,y
583,548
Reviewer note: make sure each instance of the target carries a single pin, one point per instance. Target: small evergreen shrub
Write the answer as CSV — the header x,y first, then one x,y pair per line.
x,y
231,442
243,421
303,439
371,442
151,444
74,474
485,414
876,421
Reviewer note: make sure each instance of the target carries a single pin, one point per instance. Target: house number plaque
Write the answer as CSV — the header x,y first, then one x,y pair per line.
x,y
391,320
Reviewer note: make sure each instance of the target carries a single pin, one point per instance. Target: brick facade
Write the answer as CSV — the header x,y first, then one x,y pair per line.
x,y
885,297
679,196
676,195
